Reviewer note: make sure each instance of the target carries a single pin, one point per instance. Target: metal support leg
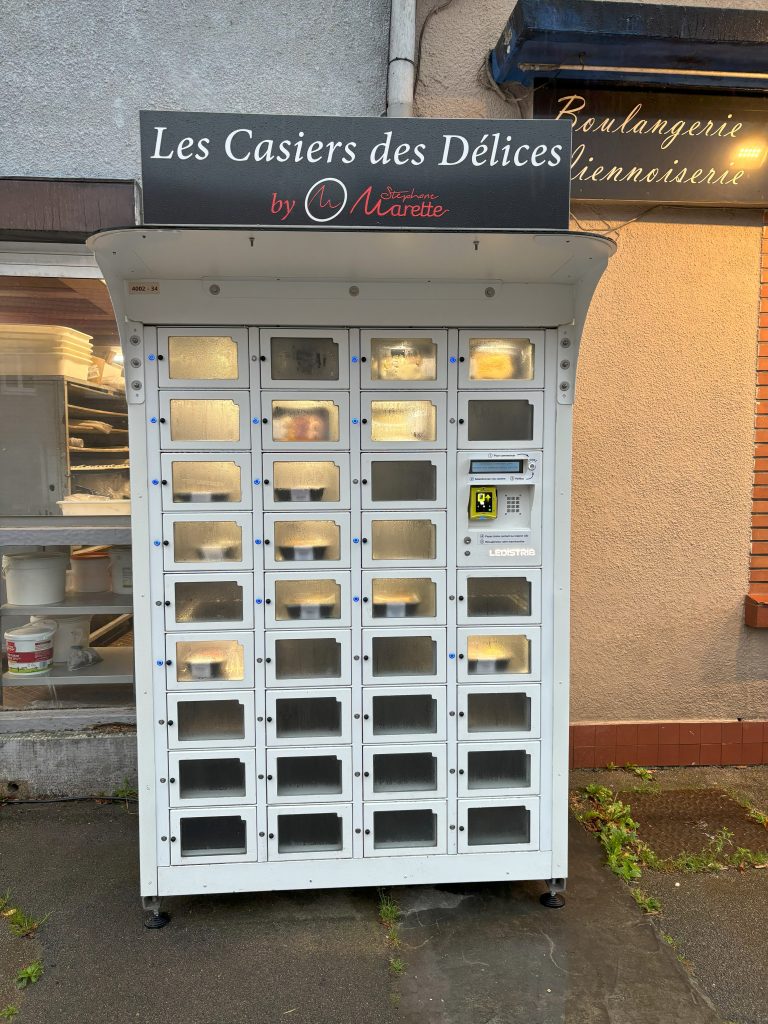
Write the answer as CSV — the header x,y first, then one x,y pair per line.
x,y
553,898
155,917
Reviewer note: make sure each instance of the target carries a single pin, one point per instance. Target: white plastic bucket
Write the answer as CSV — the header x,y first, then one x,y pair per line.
x,y
35,578
30,648
90,572
122,573
71,631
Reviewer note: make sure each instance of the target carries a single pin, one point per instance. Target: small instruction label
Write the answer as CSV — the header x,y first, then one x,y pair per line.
x,y
143,288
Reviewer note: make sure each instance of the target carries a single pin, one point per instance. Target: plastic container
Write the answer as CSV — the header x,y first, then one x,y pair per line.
x,y
94,505
45,350
30,648
90,572
71,631
122,573
35,578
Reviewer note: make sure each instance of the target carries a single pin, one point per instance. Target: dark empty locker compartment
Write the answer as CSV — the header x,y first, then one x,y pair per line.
x,y
499,419
498,825
318,775
402,714
303,359
404,655
211,777
403,597
413,540
311,658
310,833
305,717
199,720
498,596
498,769
208,601
494,711
401,772
396,830
403,480
224,835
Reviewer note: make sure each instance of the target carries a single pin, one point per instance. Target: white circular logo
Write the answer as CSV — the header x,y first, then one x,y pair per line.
x,y
325,200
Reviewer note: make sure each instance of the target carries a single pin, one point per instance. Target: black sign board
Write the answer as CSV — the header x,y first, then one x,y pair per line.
x,y
662,146
363,172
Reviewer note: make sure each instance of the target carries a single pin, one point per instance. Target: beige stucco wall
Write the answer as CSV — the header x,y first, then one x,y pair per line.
x,y
662,441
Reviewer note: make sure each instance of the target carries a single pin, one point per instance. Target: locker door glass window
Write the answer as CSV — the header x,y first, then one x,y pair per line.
x,y
307,600
399,655
308,717
202,357
303,358
307,540
305,777
404,771
404,597
211,778
403,359
502,359
203,661
497,768
198,483
313,832
211,836
403,714
498,711
405,828
505,654
305,421
498,825
411,540
498,596
403,480
212,601
202,721
492,419
203,420
402,421
310,658
200,540
305,481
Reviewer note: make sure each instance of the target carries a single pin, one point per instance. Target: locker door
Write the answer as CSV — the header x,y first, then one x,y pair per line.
x,y
509,359
400,597
300,775
404,772
404,714
408,828
498,769
206,482
403,539
398,480
308,657
300,359
213,835
195,357
394,421
310,832
500,419
395,655
216,542
205,420
210,600
313,481
505,654
403,359
206,661
498,826
291,423
495,712
498,595
300,718
219,777
306,540
207,720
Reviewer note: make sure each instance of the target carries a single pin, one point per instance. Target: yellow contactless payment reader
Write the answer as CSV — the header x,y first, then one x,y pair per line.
x,y
482,502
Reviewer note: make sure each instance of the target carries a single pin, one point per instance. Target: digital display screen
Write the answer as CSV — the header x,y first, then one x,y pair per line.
x,y
482,503
497,466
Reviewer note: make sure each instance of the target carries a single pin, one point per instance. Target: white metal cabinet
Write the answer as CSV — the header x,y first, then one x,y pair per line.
x,y
400,597
213,835
504,358
498,769
209,600
217,777
206,720
404,772
308,657
307,598
411,827
301,718
205,420
403,538
404,360
417,654
307,481
193,357
310,832
493,711
402,421
206,481
400,480
299,359
216,542
498,595
404,714
501,419
207,661
498,826
306,540
299,775
292,421
502,654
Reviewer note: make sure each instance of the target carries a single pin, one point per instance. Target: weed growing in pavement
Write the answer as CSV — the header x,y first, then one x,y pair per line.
x,y
648,904
126,791
605,815
22,924
389,915
8,1012
646,774
396,965
30,974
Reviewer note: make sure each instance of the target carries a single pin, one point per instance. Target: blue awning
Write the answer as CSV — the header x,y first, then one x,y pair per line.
x,y
667,44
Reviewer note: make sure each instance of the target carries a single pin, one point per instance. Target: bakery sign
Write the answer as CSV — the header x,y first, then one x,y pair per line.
x,y
662,146
236,170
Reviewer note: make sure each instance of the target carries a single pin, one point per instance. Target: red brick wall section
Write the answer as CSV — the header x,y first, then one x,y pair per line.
x,y
758,563
656,744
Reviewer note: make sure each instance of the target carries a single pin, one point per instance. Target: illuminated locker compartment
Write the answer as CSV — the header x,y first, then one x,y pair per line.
x,y
390,539
212,777
213,835
308,774
308,540
206,482
294,482
412,827
498,769
298,358
501,595
303,718
495,712
404,714
398,421
310,832
293,598
399,480
498,826
403,359
208,720
492,359
205,420
291,423
209,600
216,542
308,657
500,418
403,597
191,357
404,654
503,654
206,661
404,772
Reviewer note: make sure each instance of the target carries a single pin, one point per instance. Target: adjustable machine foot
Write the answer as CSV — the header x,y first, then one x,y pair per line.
x,y
155,917
553,898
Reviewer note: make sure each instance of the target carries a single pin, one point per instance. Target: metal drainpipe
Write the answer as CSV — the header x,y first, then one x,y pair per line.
x,y
402,47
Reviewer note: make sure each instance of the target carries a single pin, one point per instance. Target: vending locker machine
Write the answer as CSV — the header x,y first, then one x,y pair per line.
x,y
350,460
